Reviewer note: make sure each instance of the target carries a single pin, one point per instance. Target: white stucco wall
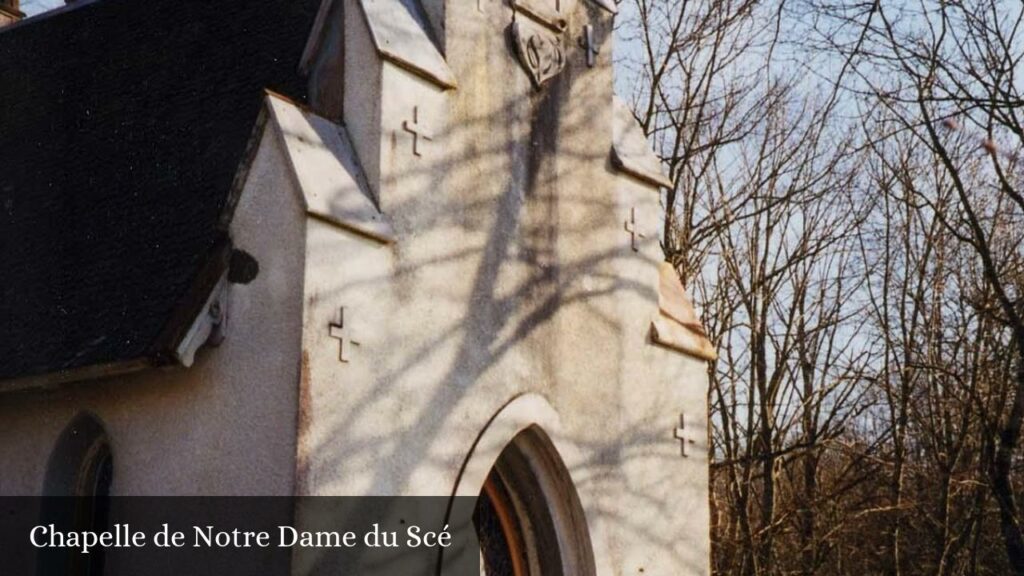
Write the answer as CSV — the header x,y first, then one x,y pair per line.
x,y
512,275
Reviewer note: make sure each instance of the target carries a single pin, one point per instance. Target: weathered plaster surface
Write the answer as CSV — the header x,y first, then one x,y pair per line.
x,y
512,275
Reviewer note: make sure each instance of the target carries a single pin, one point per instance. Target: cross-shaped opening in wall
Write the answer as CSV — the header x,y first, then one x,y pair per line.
x,y
634,234
417,130
683,436
339,332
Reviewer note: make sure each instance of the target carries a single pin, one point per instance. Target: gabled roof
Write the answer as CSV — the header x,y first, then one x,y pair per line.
x,y
122,124
326,170
400,34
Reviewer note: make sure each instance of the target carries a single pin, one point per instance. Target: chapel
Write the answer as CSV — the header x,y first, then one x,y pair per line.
x,y
349,248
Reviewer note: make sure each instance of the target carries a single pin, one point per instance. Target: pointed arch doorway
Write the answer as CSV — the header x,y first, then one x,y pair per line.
x,y
528,516
76,488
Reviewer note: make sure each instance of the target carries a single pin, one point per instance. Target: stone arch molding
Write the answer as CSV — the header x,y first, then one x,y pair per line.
x,y
530,412
78,451
80,466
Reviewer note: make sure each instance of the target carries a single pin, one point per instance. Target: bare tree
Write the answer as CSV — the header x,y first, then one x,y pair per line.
x,y
944,73
847,212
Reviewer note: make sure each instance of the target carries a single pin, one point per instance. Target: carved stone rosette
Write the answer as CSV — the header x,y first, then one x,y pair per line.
x,y
539,51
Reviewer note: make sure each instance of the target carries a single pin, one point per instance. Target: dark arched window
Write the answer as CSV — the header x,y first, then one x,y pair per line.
x,y
528,518
77,494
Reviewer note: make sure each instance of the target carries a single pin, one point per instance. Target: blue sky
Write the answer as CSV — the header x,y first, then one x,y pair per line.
x,y
33,7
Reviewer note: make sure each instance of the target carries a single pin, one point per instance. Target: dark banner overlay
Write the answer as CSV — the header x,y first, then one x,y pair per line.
x,y
238,536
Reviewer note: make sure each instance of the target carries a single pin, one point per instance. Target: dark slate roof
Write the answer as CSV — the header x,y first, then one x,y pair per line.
x,y
122,125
